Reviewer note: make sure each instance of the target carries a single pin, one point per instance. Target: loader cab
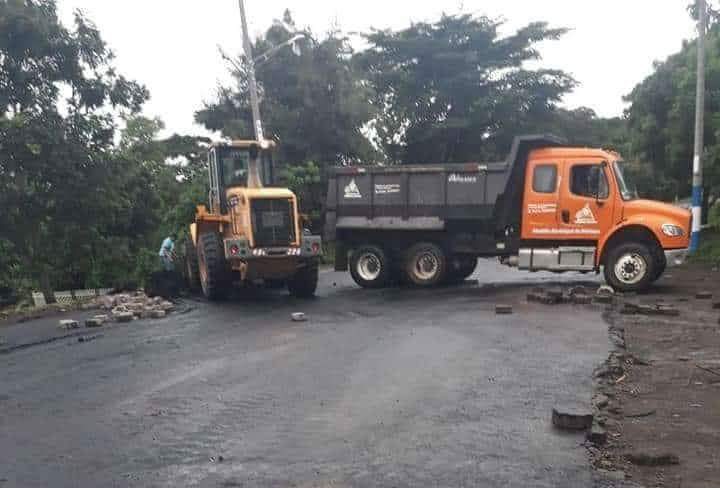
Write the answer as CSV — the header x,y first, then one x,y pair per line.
x,y
230,164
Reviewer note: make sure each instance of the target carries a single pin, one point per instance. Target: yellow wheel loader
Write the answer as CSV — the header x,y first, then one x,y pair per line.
x,y
249,233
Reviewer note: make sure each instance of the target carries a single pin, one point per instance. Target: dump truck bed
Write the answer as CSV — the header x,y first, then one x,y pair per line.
x,y
427,197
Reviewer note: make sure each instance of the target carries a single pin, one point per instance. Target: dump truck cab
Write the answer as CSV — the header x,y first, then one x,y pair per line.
x,y
251,231
584,198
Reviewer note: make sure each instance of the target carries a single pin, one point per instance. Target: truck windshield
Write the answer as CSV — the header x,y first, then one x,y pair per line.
x,y
626,184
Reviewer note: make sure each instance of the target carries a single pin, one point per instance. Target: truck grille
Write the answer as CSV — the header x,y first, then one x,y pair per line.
x,y
272,222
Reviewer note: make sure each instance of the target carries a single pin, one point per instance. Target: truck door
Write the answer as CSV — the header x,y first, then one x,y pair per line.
x,y
540,205
586,206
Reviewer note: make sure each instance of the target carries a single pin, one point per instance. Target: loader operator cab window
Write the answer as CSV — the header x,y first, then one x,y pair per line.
x,y
589,180
235,167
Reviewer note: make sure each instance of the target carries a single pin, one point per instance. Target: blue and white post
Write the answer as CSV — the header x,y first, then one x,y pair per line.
x,y
697,190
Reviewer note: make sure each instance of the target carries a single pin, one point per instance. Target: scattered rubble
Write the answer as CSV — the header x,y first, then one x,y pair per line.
x,y
503,309
298,317
704,295
127,307
578,295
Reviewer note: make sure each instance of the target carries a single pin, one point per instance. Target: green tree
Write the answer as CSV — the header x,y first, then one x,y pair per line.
x,y
58,96
314,104
454,90
661,121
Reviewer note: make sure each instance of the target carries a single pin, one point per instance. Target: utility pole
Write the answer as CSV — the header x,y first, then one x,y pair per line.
x,y
254,180
697,189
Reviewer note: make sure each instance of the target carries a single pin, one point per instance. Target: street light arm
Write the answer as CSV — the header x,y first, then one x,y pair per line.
x,y
270,52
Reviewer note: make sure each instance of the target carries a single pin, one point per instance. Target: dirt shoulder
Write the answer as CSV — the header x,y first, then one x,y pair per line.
x,y
663,384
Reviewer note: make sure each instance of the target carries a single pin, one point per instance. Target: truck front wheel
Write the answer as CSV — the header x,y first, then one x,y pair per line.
x,y
304,283
425,264
211,263
370,266
630,267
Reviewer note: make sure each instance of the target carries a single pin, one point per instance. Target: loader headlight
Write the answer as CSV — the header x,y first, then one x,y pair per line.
x,y
673,230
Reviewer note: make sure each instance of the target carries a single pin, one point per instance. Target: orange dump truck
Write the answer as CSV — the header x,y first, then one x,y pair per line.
x,y
547,207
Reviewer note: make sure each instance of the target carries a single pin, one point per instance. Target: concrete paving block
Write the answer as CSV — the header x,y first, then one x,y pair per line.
x,y
581,299
102,318
92,323
607,299
597,434
298,317
571,418
704,295
123,316
503,309
652,458
69,324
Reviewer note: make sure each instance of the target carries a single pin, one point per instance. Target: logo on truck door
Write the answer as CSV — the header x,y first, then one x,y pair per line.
x,y
352,190
585,216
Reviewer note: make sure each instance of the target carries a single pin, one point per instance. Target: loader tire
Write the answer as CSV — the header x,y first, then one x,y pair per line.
x,y
212,266
304,283
192,270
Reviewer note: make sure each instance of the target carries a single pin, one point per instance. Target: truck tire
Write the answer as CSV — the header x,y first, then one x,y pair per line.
x,y
461,268
212,267
660,265
370,266
192,270
425,264
304,283
630,267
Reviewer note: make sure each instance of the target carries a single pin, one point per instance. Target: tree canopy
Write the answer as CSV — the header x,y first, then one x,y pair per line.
x,y
455,90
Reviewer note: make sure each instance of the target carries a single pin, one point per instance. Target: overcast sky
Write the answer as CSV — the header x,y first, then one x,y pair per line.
x,y
171,45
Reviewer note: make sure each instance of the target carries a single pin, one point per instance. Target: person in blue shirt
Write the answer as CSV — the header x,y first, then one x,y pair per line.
x,y
167,253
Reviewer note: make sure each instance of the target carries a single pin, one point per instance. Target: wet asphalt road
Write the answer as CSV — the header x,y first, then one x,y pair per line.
x,y
393,388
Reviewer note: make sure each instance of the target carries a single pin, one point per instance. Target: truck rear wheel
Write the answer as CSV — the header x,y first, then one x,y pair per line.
x,y
211,264
192,270
304,283
370,266
630,267
425,264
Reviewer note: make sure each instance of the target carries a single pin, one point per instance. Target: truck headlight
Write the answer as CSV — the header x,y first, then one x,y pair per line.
x,y
673,230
